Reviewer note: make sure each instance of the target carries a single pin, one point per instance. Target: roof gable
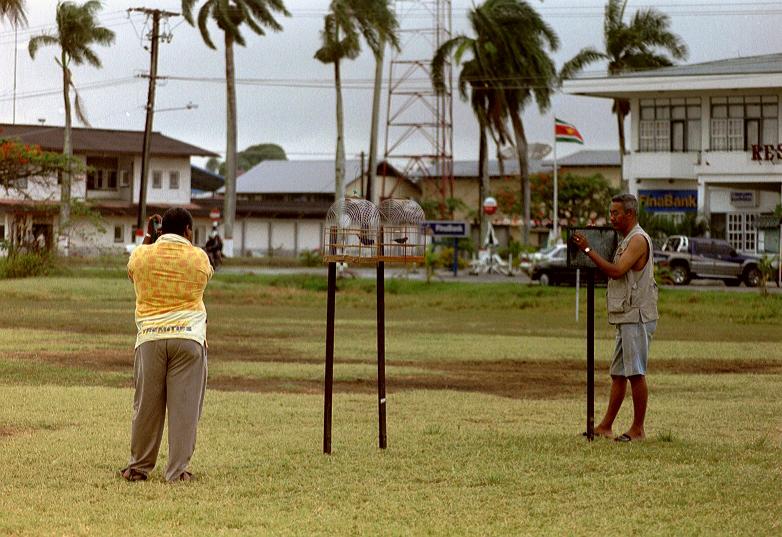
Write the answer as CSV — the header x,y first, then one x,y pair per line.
x,y
88,140
588,157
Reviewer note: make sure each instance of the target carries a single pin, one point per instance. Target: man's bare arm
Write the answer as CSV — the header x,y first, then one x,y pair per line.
x,y
635,251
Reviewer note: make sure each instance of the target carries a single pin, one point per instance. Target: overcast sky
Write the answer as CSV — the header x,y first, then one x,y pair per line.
x,y
288,97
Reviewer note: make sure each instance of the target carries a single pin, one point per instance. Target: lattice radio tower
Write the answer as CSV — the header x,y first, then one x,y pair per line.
x,y
419,125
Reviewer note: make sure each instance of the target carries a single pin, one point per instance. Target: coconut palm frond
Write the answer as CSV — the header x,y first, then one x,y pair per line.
x,y
78,107
13,11
39,41
230,15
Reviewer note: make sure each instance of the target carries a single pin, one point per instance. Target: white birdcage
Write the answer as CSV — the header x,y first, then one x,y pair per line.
x,y
352,232
403,237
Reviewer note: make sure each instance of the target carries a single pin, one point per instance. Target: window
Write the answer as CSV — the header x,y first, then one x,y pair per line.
x,y
101,173
742,232
670,125
738,123
157,179
119,235
2,232
124,179
173,180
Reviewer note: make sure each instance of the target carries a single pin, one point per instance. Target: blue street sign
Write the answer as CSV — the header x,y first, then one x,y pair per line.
x,y
448,228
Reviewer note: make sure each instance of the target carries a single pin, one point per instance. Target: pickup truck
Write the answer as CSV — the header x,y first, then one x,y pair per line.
x,y
698,257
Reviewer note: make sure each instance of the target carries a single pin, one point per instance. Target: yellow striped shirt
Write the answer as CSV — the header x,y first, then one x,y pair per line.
x,y
169,278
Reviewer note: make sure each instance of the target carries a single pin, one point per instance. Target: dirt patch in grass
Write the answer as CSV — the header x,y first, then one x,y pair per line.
x,y
518,380
550,379
96,360
8,431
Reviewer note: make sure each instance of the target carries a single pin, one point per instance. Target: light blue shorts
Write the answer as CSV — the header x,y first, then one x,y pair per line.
x,y
632,348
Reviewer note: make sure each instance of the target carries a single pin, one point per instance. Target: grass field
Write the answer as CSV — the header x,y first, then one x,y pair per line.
x,y
485,410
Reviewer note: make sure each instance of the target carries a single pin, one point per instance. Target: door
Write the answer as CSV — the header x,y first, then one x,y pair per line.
x,y
727,262
742,232
702,262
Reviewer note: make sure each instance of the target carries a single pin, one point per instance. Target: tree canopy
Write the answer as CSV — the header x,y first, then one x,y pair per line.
x,y
24,161
249,158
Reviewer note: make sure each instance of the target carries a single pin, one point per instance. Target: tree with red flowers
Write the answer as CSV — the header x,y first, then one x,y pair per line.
x,y
20,161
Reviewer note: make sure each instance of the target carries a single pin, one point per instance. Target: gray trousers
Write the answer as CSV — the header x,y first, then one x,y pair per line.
x,y
167,373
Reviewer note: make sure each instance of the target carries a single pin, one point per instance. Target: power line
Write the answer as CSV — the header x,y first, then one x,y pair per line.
x,y
689,9
114,82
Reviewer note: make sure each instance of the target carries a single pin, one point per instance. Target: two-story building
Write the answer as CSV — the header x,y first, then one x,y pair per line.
x,y
704,138
110,186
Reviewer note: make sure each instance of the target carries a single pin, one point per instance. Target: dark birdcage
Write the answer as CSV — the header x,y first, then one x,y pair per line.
x,y
403,237
352,232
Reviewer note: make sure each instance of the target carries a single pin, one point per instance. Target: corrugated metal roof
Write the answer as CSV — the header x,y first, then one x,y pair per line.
x,y
204,180
588,157
87,140
317,176
469,168
750,65
294,177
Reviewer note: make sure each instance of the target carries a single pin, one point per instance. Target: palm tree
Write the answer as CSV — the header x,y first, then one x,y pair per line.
x,y
641,44
77,31
523,42
511,47
372,191
13,12
345,23
485,99
230,15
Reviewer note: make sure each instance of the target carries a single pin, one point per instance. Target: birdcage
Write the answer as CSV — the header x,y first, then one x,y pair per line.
x,y
403,237
352,231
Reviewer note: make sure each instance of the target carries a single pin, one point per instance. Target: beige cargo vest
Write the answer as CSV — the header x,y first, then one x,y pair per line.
x,y
633,297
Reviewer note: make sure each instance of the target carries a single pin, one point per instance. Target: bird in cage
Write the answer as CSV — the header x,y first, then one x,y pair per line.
x,y
364,237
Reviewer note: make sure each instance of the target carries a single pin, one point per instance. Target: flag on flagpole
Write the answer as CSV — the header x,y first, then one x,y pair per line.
x,y
565,132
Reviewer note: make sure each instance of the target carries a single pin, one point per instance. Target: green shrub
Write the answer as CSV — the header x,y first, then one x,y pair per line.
x,y
663,275
766,273
26,265
310,258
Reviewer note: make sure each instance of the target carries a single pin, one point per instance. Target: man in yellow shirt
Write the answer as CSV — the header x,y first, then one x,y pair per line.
x,y
169,276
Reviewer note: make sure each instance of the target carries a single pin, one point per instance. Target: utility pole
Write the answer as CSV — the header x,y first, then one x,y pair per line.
x,y
155,37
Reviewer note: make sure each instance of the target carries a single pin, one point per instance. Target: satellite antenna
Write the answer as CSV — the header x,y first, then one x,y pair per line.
x,y
538,151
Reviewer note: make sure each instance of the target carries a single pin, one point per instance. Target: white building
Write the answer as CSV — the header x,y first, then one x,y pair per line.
x,y
281,205
110,187
703,137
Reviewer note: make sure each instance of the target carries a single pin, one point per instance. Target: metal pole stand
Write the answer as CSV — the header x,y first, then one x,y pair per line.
x,y
381,355
329,381
590,354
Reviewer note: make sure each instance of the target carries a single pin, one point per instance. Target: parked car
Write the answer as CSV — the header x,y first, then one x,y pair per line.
x,y
699,257
551,269
527,260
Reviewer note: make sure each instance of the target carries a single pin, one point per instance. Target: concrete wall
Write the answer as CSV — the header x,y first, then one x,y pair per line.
x,y
259,236
164,194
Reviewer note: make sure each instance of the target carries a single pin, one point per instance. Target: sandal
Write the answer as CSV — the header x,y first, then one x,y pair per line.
x,y
131,474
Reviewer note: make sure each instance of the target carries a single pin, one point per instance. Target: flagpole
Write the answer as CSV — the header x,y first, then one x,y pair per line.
x,y
555,224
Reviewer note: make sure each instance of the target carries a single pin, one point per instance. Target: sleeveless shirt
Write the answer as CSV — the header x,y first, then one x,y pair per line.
x,y
633,297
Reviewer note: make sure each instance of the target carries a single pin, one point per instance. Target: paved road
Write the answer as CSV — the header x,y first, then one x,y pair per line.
x,y
464,276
